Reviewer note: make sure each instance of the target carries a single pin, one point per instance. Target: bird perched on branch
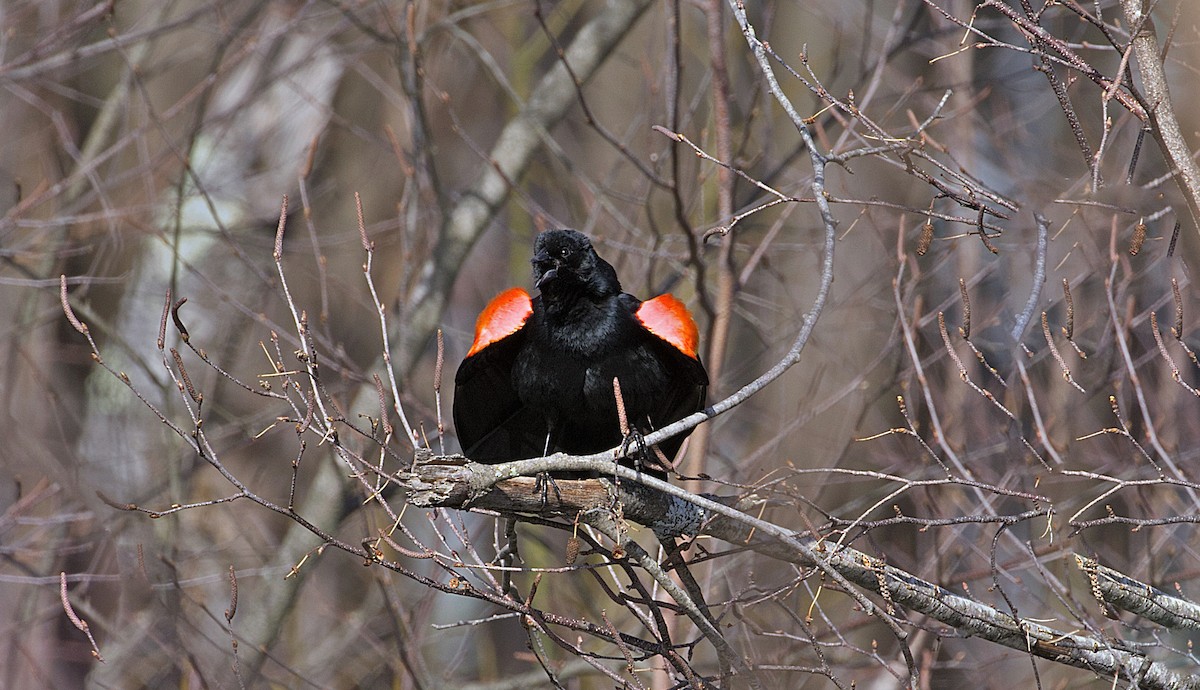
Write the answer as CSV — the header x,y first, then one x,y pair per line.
x,y
539,377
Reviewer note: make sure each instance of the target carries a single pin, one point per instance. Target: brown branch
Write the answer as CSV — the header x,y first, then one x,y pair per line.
x,y
1065,54
78,622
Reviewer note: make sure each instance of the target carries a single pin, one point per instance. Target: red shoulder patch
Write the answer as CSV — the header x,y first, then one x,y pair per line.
x,y
667,318
502,317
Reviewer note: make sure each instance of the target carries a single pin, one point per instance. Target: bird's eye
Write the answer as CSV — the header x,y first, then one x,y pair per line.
x,y
564,252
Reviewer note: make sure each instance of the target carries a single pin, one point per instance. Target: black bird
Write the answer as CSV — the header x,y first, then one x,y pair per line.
x,y
539,376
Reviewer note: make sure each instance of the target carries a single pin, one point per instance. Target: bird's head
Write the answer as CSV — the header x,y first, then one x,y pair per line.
x,y
564,262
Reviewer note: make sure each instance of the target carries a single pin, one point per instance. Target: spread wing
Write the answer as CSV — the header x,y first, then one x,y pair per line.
x,y
492,424
675,339
685,393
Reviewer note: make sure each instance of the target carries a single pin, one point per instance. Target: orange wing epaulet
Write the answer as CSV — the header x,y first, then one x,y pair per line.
x,y
503,316
667,317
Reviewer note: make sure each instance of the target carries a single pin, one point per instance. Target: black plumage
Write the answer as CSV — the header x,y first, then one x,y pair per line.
x,y
539,378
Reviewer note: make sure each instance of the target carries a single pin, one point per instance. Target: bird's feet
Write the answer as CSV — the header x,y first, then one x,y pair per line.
x,y
635,441
645,457
545,482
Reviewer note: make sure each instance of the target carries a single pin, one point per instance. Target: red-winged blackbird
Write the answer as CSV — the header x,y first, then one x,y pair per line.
x,y
539,377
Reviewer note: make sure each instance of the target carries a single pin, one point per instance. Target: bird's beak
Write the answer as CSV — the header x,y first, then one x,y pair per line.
x,y
547,277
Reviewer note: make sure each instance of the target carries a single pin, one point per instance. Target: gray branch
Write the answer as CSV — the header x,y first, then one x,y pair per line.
x,y
1125,593
1039,278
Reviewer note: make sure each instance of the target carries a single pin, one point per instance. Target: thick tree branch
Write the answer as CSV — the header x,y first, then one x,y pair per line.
x,y
1125,593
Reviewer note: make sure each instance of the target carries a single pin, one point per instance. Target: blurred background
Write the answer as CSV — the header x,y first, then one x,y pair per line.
x,y
148,147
